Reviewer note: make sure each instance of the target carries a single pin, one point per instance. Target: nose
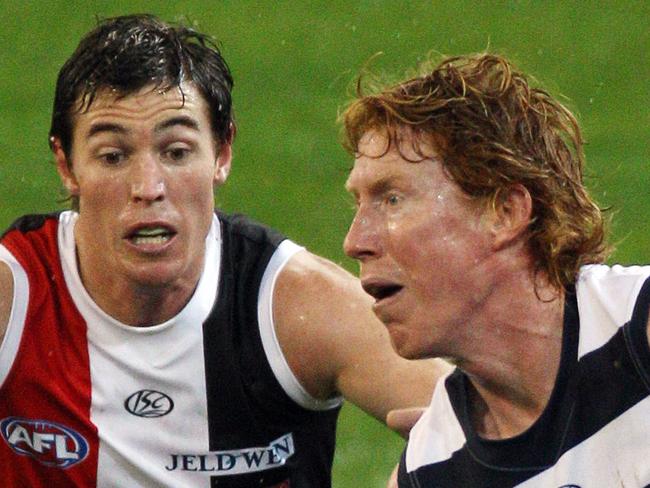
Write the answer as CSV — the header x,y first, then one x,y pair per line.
x,y
363,240
147,180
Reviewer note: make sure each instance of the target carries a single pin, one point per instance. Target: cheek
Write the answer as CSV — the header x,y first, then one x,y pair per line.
x,y
195,198
434,257
195,186
416,242
207,194
100,194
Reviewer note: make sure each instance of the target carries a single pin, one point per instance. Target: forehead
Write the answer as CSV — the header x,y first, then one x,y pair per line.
x,y
146,105
375,160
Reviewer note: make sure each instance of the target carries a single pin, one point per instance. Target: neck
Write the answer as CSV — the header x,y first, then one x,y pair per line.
x,y
135,303
142,306
513,357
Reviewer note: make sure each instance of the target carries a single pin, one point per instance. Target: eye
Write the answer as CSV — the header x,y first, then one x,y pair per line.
x,y
393,199
177,153
112,158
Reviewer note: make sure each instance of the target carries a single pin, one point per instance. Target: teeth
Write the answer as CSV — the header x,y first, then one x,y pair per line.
x,y
151,231
159,239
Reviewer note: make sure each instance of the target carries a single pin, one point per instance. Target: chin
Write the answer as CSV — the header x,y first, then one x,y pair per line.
x,y
399,339
153,282
409,354
155,275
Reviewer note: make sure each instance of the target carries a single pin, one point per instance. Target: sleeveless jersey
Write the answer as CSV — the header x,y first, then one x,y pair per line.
x,y
205,399
594,432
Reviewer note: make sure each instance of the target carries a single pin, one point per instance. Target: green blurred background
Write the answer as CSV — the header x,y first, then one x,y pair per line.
x,y
294,63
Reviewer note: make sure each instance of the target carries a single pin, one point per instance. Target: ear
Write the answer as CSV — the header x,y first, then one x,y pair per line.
x,y
512,213
64,167
222,165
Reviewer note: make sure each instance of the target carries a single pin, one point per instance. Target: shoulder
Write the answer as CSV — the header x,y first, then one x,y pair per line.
x,y
247,228
612,289
607,297
311,292
602,273
334,344
32,222
318,296
311,274
6,297
28,249
316,306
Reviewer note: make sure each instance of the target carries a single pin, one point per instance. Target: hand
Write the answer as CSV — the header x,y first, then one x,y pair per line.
x,y
402,420
392,482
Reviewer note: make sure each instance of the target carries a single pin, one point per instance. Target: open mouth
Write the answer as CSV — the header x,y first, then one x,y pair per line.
x,y
381,291
151,235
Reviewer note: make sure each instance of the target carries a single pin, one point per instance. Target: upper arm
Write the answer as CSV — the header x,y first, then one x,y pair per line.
x,y
334,344
6,297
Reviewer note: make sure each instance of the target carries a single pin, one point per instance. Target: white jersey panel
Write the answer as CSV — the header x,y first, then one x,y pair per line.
x,y
595,287
139,368
437,434
616,456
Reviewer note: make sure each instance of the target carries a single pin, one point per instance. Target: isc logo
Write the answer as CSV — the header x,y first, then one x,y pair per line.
x,y
50,443
149,403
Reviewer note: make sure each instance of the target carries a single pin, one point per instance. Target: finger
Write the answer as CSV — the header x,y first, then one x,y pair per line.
x,y
403,420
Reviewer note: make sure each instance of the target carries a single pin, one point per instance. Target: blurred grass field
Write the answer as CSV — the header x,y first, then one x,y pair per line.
x,y
294,63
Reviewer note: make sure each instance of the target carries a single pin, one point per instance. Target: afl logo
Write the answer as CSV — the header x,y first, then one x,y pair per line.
x,y
50,443
149,403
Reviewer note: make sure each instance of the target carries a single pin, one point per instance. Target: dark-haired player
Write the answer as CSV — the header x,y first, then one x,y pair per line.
x,y
148,341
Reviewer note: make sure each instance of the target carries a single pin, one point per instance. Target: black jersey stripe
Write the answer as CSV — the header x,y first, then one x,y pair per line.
x,y
247,406
227,334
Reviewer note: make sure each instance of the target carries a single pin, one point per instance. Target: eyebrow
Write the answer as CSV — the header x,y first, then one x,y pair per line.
x,y
383,184
106,127
376,187
182,120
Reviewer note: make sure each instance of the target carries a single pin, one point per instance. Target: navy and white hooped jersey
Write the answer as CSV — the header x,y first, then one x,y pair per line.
x,y
205,399
595,430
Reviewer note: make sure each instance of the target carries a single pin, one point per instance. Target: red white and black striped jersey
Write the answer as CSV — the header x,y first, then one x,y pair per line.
x,y
595,430
205,399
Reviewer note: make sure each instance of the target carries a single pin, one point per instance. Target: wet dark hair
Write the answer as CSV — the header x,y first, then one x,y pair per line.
x,y
125,54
